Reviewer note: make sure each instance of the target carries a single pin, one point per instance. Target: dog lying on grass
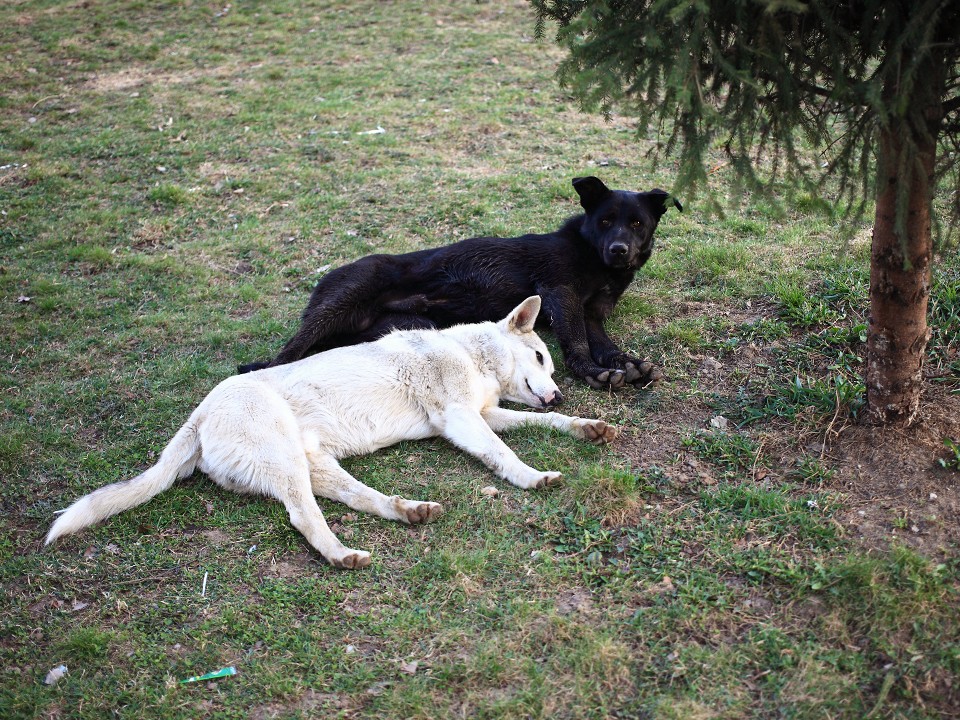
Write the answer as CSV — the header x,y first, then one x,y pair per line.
x,y
280,432
580,271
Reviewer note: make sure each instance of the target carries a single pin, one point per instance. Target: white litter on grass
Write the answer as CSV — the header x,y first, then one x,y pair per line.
x,y
53,677
378,131
719,422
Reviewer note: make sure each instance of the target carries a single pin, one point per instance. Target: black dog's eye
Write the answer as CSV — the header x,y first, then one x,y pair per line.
x,y
539,357
636,224
605,223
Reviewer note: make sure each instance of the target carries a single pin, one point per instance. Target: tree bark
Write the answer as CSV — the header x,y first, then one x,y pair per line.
x,y
901,255
900,274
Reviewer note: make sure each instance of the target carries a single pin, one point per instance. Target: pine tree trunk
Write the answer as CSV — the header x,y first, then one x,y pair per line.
x,y
900,273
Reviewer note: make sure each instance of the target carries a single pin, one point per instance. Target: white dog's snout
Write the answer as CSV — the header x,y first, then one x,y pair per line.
x,y
548,398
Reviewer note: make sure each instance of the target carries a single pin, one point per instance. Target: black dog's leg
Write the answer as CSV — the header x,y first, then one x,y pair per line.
x,y
603,350
342,305
386,324
568,324
321,321
382,325
250,367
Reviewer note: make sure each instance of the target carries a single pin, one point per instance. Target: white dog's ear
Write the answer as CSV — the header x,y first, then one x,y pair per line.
x,y
523,317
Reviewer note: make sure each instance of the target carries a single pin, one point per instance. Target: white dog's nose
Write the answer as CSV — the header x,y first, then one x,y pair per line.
x,y
553,399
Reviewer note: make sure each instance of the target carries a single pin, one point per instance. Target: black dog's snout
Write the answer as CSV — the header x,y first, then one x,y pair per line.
x,y
618,248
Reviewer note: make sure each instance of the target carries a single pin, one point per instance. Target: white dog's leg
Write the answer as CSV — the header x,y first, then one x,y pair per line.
x,y
467,429
287,478
595,431
275,464
331,481
305,515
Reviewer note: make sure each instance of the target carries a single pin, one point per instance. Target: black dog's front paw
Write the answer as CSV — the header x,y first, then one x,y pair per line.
x,y
605,378
641,373
636,372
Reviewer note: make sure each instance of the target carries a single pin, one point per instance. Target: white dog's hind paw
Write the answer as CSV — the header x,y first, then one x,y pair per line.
x,y
595,431
351,559
549,478
421,512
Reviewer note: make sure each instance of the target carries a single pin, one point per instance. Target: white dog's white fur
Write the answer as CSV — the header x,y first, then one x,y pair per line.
x,y
280,431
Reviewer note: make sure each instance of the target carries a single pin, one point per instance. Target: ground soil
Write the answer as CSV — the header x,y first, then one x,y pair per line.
x,y
890,483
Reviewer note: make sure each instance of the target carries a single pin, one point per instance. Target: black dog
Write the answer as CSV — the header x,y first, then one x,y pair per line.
x,y
580,271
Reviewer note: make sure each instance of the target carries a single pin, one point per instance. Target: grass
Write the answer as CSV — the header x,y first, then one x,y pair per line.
x,y
175,176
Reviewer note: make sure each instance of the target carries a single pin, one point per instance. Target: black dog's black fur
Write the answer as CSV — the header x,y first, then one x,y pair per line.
x,y
579,271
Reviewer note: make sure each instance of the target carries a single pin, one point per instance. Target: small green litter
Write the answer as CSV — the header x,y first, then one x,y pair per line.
x,y
225,672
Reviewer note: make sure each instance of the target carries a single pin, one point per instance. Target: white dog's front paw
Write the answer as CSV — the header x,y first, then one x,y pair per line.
x,y
536,479
350,559
415,513
548,478
594,431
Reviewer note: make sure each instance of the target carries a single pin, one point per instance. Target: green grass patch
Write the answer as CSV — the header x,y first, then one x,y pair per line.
x,y
175,177
731,452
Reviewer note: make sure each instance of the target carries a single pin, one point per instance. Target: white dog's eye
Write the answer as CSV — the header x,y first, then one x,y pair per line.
x,y
539,357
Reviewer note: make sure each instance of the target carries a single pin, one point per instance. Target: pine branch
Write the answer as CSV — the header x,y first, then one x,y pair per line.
x,y
951,105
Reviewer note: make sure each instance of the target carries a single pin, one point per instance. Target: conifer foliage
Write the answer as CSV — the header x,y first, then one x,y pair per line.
x,y
871,86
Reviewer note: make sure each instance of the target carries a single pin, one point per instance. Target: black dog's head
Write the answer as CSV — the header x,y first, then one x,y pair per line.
x,y
620,224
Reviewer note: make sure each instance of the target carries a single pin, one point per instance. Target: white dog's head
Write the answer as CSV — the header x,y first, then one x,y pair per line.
x,y
528,381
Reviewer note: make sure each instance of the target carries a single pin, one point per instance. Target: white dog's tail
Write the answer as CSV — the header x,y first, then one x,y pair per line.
x,y
176,461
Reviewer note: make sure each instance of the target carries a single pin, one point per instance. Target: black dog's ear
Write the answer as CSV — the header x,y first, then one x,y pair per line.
x,y
591,191
659,198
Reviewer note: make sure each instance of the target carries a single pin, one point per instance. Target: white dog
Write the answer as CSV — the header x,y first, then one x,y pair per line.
x,y
280,431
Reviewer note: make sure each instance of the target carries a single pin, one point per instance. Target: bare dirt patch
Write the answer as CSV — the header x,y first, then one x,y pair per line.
x,y
125,79
574,601
151,235
895,488
217,173
288,566
132,77
309,704
891,486
217,537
